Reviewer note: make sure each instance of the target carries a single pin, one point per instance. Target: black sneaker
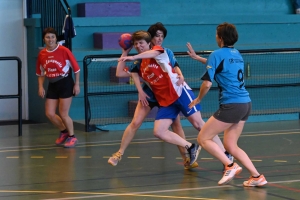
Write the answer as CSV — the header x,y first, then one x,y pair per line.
x,y
194,151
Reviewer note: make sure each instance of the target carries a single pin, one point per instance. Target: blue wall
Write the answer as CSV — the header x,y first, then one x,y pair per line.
x,y
262,24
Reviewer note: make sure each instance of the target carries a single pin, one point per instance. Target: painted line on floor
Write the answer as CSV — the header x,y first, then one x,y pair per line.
x,y
280,161
136,194
37,157
61,156
157,157
12,157
85,156
154,140
102,194
134,157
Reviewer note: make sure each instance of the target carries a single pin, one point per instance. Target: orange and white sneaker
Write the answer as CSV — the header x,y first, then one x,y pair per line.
x,y
229,173
256,182
187,164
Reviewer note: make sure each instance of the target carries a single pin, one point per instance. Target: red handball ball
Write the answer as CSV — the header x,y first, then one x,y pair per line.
x,y
125,41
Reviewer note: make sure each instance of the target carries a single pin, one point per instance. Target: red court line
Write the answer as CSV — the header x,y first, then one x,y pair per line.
x,y
284,187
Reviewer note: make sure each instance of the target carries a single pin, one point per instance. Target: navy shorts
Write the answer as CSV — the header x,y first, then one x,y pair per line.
x,y
233,112
61,89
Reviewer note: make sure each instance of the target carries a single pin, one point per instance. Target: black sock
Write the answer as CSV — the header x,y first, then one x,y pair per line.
x,y
187,147
71,135
256,176
64,131
230,165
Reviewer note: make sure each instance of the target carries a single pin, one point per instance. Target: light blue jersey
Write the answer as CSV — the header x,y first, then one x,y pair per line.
x,y
226,67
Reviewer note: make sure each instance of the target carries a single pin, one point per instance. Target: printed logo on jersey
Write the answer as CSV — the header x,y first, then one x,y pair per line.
x,y
208,67
232,60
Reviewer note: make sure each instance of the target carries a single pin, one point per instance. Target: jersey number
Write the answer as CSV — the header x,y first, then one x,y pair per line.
x,y
240,77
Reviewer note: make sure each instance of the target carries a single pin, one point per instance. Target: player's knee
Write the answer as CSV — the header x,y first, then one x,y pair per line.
x,y
50,115
157,133
135,125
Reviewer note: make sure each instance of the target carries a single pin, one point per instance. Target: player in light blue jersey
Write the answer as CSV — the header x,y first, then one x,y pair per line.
x,y
226,67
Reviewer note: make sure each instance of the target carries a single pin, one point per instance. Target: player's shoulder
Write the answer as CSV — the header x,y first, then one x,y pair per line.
x,y
156,47
63,48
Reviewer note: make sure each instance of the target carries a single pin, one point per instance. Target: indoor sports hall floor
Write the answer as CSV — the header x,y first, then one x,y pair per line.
x,y
33,168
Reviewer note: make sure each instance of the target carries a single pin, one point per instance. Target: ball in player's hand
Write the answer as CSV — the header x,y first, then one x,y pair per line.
x,y
125,41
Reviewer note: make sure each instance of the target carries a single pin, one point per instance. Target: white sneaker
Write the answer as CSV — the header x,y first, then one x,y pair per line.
x,y
229,173
256,182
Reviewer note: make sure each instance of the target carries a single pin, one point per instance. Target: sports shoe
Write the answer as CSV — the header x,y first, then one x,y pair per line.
x,y
116,157
70,142
229,173
194,152
252,182
230,157
62,138
187,164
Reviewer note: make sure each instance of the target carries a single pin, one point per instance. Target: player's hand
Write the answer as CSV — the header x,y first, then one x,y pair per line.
x,y
193,103
191,51
41,92
143,98
76,89
180,80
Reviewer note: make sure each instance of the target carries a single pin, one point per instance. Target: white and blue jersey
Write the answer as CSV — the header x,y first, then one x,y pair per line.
x,y
226,67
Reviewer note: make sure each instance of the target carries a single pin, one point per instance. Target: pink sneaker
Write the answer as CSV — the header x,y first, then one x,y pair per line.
x,y
70,142
62,138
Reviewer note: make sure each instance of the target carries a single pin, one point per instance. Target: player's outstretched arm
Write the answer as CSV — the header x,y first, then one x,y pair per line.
x,y
193,55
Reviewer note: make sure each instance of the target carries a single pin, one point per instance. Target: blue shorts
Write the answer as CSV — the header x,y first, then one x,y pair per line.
x,y
180,105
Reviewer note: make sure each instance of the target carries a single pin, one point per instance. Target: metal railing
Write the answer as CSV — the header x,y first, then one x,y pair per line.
x,y
53,14
19,95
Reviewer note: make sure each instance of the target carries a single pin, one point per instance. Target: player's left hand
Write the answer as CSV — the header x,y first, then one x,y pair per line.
x,y
180,80
76,89
143,98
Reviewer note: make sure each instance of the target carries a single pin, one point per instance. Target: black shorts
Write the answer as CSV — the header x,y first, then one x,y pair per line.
x,y
61,89
153,104
233,112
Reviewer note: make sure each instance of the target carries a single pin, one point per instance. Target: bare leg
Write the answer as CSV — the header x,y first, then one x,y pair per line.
x,y
161,131
232,133
139,115
177,128
50,111
63,108
231,136
197,121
